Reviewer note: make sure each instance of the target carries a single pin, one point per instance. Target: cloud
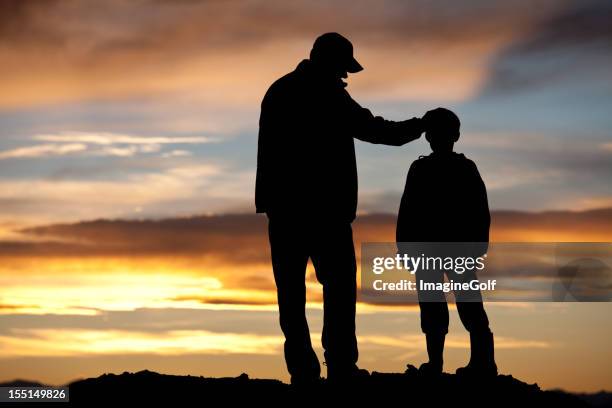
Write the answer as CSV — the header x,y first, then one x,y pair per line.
x,y
176,185
101,144
70,342
216,260
149,320
127,151
569,47
410,342
541,170
553,226
9,307
246,301
170,332
241,238
229,52
54,342
177,153
43,150
103,138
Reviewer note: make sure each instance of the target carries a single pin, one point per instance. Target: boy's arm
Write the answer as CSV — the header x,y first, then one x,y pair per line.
x,y
482,216
408,207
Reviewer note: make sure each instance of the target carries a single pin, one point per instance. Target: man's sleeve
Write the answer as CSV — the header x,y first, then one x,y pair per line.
x,y
375,129
264,158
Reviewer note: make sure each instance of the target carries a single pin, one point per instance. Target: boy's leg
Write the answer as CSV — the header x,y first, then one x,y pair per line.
x,y
474,318
289,260
333,257
469,305
434,320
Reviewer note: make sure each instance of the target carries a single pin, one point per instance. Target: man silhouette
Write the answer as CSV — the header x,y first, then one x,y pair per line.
x,y
445,200
307,186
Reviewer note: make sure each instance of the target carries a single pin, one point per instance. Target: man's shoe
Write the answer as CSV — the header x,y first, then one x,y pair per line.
x,y
430,369
435,352
346,375
477,371
305,381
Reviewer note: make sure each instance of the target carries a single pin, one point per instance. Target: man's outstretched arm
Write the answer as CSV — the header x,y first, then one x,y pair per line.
x,y
375,129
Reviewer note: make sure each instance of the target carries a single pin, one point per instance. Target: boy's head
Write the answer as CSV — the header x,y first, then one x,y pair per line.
x,y
441,129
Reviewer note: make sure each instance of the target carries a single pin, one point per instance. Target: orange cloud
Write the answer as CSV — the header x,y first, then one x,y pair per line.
x,y
241,238
203,261
228,52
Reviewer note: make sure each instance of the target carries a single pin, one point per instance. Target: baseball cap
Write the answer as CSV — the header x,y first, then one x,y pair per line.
x,y
333,47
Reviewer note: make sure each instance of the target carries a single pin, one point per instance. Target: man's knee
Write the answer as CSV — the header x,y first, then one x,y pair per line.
x,y
434,317
434,328
477,326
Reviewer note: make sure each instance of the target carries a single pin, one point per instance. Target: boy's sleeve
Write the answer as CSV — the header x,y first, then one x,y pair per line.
x,y
481,214
408,206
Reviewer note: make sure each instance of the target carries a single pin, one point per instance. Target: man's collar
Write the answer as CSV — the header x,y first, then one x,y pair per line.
x,y
307,68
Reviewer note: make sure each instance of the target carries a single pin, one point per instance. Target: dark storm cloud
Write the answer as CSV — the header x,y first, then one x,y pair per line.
x,y
103,30
242,238
572,44
20,22
581,24
24,19
232,237
100,40
212,300
593,220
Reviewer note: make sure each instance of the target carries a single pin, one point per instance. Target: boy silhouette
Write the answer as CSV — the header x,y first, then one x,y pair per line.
x,y
445,200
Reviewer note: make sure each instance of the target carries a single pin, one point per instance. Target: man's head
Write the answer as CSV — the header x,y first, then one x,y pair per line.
x,y
441,129
333,54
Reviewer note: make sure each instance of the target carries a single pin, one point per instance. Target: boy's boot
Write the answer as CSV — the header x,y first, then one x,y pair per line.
x,y
435,351
482,359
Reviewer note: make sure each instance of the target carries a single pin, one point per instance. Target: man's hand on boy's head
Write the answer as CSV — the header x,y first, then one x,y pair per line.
x,y
407,131
427,118
419,126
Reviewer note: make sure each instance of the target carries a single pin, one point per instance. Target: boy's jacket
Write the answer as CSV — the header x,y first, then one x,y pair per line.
x,y
444,200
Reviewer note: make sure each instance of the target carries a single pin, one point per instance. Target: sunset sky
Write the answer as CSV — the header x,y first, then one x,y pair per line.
x,y
144,113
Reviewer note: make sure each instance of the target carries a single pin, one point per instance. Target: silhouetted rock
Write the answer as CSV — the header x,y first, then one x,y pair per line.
x,y
22,383
146,387
598,399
